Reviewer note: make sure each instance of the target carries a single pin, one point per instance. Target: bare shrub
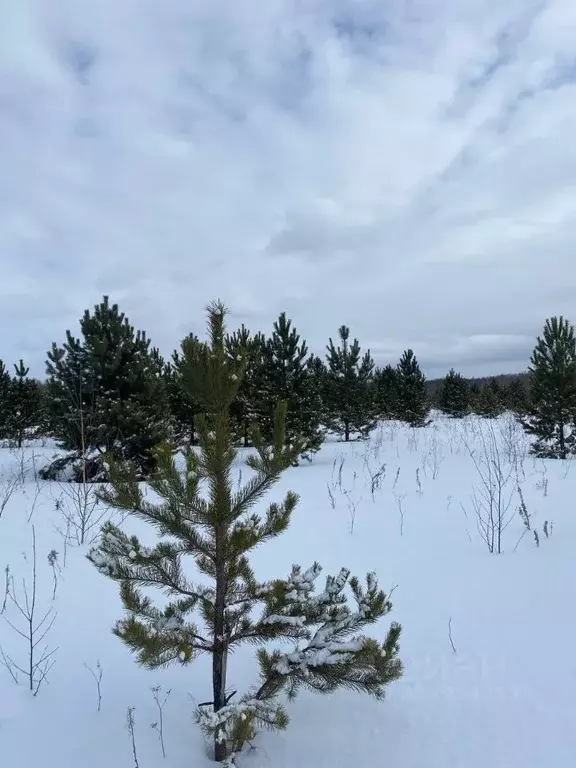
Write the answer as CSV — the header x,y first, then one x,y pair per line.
x,y
160,701
97,674
33,630
513,441
492,498
434,453
414,440
82,511
352,502
400,504
8,486
376,474
542,484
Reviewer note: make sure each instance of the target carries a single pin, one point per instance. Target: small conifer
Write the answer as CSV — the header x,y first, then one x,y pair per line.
x,y
203,514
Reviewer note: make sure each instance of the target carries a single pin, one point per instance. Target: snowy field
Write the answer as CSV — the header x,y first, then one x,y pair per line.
x,y
487,643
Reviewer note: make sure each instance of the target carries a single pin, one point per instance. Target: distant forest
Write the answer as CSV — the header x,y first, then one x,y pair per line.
x,y
433,386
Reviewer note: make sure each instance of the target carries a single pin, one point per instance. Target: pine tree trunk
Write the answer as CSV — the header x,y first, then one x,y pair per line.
x,y
220,648
562,441
346,431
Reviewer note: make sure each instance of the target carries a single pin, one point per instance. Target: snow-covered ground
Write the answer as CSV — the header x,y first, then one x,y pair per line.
x,y
488,640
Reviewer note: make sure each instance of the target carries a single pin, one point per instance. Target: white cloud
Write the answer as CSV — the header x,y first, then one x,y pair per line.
x,y
407,168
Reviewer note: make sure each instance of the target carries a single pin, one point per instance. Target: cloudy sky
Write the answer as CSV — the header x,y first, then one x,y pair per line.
x,y
405,167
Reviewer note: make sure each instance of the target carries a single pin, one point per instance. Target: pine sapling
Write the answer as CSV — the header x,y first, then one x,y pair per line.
x,y
200,514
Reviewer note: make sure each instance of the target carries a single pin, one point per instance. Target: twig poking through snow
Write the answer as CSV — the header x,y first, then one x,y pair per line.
x,y
53,563
130,725
159,725
450,635
7,488
6,588
399,503
97,675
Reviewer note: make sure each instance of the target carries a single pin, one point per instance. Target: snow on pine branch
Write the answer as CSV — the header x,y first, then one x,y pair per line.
x,y
299,608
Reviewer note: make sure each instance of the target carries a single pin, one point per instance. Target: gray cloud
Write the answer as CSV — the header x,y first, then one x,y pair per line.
x,y
404,168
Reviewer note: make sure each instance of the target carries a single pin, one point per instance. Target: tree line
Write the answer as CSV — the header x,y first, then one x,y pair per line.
x,y
108,391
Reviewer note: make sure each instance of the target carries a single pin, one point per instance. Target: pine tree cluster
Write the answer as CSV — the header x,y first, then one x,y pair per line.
x,y
108,391
457,397
20,404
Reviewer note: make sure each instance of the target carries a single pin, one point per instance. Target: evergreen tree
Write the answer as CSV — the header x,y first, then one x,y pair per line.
x,y
491,400
516,396
319,383
350,397
413,405
454,398
552,406
386,391
24,404
248,406
217,531
474,397
5,405
183,408
287,379
106,391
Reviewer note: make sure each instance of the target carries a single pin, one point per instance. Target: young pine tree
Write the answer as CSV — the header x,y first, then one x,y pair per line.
x,y
413,405
319,382
182,405
286,378
386,392
474,397
244,410
106,391
552,408
516,397
24,404
454,397
5,404
203,515
350,395
491,400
